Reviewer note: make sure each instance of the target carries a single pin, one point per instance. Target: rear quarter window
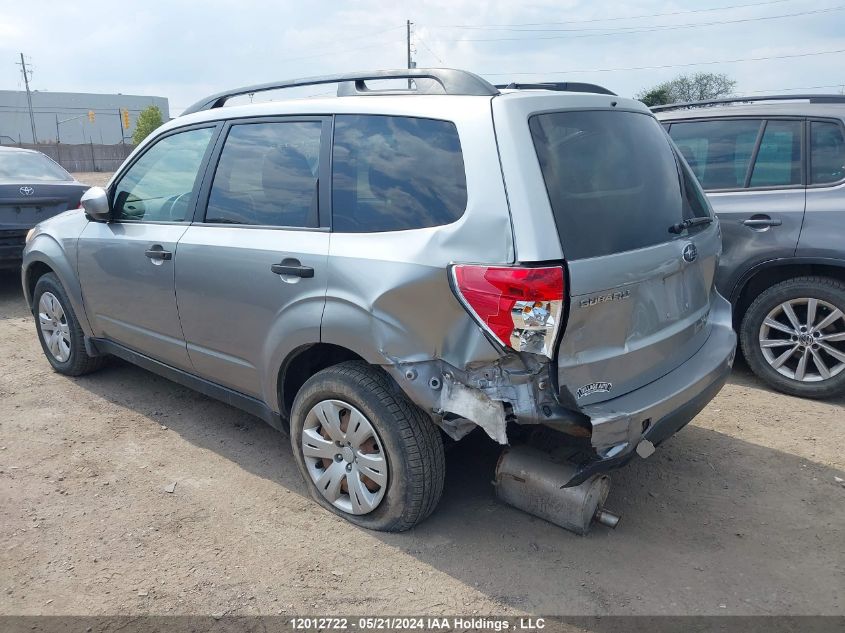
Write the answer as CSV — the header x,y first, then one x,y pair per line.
x,y
393,173
827,152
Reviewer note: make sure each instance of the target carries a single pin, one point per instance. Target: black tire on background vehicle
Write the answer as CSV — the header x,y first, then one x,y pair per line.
x,y
58,329
352,429
793,337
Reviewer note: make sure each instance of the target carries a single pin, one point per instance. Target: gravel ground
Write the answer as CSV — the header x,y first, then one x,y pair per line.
x,y
93,178
738,514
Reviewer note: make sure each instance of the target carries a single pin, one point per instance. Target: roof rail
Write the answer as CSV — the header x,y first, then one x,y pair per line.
x,y
440,81
805,97
564,86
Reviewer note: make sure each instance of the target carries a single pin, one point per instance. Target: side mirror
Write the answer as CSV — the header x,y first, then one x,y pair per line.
x,y
95,201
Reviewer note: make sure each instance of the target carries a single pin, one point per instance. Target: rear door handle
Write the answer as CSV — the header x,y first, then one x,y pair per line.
x,y
762,222
157,251
305,272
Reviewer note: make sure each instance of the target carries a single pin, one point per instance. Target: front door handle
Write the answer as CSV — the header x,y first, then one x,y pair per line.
x,y
758,222
297,270
157,252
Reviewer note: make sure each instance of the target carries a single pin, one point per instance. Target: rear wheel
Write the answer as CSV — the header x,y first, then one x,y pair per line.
x,y
59,331
793,337
367,453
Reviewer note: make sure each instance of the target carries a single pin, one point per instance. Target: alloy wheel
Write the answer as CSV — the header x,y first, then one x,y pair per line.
x,y
344,456
804,339
54,328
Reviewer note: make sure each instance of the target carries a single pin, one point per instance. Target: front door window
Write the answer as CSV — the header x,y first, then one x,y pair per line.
x,y
158,187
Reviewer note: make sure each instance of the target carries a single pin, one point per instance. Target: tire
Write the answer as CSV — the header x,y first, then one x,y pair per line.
x,y
71,359
828,296
404,437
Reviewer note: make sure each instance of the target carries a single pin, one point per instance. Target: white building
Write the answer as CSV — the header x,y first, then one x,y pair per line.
x,y
66,116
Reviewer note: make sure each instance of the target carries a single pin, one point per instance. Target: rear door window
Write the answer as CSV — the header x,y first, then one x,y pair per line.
x,y
718,152
613,181
827,152
778,161
392,173
267,175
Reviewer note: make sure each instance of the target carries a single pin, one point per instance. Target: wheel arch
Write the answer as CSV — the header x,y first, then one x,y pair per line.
x,y
31,275
45,255
769,273
302,363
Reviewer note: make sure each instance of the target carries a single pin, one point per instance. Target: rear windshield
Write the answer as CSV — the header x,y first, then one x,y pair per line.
x,y
613,181
26,167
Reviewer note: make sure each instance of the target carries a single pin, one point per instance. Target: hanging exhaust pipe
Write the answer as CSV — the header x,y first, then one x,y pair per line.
x,y
529,479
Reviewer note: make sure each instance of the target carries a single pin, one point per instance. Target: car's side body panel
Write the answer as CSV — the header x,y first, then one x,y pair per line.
x,y
744,246
823,233
389,298
241,320
54,244
129,297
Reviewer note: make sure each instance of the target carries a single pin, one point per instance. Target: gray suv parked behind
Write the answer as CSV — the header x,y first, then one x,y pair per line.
x,y
774,172
366,269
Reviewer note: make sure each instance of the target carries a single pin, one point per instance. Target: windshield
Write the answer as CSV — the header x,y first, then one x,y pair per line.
x,y
613,181
24,167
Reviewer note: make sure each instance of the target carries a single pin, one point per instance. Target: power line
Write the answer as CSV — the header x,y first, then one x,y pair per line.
x,y
346,50
651,29
721,61
630,17
428,48
754,92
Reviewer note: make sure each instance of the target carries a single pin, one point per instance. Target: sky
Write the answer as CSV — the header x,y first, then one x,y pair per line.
x,y
184,50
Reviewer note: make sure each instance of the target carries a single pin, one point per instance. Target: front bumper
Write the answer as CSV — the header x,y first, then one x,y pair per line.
x,y
659,409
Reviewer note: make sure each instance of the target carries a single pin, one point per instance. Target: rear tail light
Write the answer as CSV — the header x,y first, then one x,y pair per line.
x,y
520,307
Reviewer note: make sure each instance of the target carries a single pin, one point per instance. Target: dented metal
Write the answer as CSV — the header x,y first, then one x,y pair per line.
x,y
531,480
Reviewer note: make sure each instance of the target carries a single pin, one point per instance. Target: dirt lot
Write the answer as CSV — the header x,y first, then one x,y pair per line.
x,y
93,178
738,514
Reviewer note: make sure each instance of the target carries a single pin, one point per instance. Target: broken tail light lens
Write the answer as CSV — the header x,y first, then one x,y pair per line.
x,y
520,307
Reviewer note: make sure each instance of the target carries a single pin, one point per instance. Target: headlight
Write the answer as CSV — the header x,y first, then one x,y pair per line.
x,y
29,234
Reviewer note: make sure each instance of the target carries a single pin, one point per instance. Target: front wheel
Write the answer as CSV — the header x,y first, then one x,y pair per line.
x,y
366,452
793,337
59,331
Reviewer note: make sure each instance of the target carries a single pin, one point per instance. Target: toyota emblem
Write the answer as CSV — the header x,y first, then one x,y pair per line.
x,y
690,253
27,190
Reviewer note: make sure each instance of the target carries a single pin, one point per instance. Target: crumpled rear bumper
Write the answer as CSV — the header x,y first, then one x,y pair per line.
x,y
659,409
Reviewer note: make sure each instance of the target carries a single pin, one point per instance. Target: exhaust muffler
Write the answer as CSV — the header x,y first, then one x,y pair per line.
x,y
529,479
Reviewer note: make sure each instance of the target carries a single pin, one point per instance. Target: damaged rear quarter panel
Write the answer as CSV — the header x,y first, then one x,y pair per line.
x,y
389,299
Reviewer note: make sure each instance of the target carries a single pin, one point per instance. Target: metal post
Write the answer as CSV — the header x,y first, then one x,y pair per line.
x,y
29,99
93,160
58,143
408,46
120,125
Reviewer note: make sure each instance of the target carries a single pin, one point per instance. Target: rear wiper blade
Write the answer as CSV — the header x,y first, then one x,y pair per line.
x,y
689,223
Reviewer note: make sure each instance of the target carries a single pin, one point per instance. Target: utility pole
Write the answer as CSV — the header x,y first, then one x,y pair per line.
x,y
408,43
120,125
25,73
58,142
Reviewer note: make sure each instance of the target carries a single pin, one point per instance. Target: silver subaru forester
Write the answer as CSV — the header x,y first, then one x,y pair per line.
x,y
375,271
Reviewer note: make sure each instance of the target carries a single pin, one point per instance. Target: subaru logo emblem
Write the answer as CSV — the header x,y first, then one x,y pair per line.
x,y
27,190
690,253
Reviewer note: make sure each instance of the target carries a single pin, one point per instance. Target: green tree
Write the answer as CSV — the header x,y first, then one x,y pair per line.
x,y
655,96
682,88
149,119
